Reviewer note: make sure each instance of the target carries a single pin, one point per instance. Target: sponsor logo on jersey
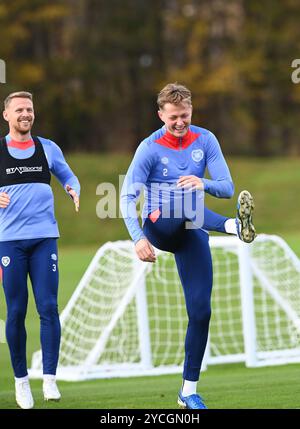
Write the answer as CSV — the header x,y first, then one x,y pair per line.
x,y
5,260
22,170
54,257
197,155
165,160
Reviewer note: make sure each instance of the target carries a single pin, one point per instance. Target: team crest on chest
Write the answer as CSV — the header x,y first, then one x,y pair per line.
x,y
5,260
164,160
197,155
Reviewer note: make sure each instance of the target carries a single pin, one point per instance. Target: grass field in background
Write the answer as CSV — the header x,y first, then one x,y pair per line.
x,y
275,184
276,187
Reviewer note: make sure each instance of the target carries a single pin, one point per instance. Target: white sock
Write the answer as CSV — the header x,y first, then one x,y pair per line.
x,y
230,226
21,379
49,377
189,388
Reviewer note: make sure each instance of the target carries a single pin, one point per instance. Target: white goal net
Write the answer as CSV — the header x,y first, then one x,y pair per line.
x,y
128,318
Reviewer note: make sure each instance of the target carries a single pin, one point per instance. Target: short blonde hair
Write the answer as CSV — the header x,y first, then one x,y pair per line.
x,y
20,94
174,93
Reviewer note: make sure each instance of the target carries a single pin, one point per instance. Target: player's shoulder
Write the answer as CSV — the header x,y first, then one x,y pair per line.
x,y
45,141
49,145
149,141
207,137
156,135
200,130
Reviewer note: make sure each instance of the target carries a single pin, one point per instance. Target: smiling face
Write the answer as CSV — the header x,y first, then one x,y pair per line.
x,y
176,117
19,114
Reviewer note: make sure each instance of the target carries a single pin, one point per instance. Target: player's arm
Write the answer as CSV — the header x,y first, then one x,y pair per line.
x,y
73,194
134,182
190,182
62,171
220,185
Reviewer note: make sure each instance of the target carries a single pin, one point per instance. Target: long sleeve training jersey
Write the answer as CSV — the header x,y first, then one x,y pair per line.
x,y
158,163
30,213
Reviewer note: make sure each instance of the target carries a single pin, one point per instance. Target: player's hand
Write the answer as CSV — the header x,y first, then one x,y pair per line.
x,y
190,182
145,251
4,200
74,196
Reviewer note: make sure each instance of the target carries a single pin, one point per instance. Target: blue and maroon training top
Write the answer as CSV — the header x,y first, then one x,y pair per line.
x,y
30,213
158,163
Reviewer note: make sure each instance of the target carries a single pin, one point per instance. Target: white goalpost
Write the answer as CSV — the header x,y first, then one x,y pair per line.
x,y
128,318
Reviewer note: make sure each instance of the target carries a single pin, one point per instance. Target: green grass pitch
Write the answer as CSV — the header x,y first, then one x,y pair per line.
x,y
222,386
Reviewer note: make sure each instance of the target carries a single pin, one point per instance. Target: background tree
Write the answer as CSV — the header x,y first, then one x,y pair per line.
x,y
95,67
